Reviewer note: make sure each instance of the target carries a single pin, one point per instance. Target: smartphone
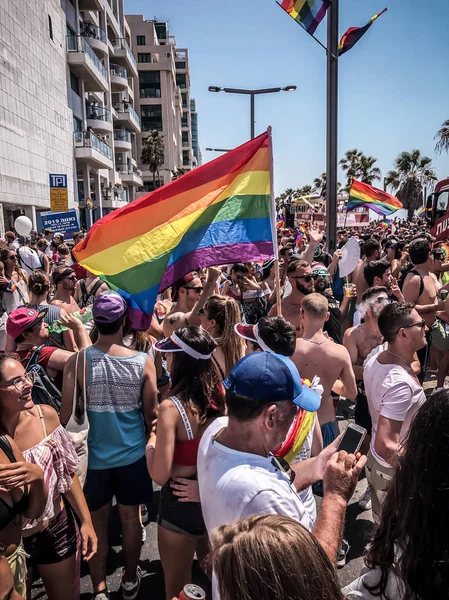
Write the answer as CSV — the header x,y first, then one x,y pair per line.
x,y
352,438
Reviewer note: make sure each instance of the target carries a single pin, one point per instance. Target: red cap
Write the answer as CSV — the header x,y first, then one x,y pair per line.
x,y
23,318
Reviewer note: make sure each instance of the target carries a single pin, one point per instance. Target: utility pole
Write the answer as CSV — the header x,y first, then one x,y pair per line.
x,y
332,126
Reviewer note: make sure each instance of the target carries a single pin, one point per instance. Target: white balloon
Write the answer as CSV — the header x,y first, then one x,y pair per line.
x,y
23,225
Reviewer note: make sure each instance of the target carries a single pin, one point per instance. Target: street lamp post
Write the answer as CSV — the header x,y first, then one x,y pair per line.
x,y
252,94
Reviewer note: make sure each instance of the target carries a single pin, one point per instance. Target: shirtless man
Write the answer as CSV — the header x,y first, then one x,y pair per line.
x,y
421,288
316,354
65,280
299,273
190,297
371,251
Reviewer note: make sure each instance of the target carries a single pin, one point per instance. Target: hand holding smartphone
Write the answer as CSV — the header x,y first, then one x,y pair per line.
x,y
352,439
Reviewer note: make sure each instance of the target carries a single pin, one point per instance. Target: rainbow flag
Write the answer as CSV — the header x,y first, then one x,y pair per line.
x,y
422,212
308,13
350,38
362,194
280,224
445,249
216,214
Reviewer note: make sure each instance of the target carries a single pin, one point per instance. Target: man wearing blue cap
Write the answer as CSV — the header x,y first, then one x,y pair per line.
x,y
237,472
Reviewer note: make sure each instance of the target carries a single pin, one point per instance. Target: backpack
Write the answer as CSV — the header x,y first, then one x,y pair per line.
x,y
44,390
411,269
87,298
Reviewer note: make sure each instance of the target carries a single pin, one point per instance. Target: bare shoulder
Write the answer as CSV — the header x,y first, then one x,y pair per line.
x,y
167,410
51,417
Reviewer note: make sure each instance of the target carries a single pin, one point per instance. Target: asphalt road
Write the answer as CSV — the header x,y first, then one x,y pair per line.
x,y
357,530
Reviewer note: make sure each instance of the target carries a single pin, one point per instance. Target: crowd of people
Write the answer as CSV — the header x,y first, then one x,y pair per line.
x,y
228,403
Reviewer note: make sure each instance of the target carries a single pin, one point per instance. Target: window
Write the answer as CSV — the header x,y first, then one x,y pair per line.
x,y
181,80
184,100
140,40
151,117
144,58
185,120
77,126
180,65
161,31
74,83
185,138
150,84
185,158
50,27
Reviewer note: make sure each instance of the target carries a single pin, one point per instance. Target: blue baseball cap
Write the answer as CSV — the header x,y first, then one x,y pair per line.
x,y
270,377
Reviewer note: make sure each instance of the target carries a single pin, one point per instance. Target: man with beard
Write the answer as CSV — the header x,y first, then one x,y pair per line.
x,y
299,274
65,280
337,312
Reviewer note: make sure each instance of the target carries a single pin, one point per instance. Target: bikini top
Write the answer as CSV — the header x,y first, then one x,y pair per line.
x,y
186,451
9,513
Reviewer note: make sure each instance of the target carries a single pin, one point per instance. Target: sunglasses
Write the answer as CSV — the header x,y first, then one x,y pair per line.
x,y
282,465
320,275
421,324
71,277
12,257
198,289
307,278
381,300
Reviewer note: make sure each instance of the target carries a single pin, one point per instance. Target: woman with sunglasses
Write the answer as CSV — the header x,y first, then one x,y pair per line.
x,y
172,452
51,540
219,317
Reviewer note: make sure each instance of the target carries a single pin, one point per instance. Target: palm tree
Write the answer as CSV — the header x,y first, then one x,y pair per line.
x,y
367,172
177,173
350,163
305,190
153,153
319,184
411,174
442,136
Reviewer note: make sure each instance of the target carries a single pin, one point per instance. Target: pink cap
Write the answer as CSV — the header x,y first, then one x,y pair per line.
x,y
23,318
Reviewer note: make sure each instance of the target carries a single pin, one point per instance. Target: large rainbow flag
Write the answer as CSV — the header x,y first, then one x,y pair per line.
x,y
362,194
216,214
308,13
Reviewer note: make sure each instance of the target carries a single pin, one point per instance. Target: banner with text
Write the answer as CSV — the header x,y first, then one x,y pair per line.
x,y
62,222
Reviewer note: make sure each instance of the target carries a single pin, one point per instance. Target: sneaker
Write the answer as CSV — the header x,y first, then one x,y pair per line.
x,y
130,590
342,553
144,535
144,514
101,595
365,500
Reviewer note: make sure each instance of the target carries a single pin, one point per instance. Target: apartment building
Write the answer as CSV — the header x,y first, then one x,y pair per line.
x,y
67,107
162,97
195,142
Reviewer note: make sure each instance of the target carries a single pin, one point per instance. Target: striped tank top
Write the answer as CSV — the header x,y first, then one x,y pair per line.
x,y
114,408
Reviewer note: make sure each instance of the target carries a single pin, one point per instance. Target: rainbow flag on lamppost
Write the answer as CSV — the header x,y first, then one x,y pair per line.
x,y
219,213
362,194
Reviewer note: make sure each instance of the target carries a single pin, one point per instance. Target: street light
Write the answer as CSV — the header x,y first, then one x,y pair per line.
x,y
217,150
252,94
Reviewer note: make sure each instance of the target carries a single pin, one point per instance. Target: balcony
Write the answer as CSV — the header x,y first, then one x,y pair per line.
x,y
86,65
123,51
89,5
96,36
126,116
99,118
130,174
122,140
119,78
90,149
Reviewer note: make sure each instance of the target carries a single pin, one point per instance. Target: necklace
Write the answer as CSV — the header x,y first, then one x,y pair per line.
x,y
314,342
400,358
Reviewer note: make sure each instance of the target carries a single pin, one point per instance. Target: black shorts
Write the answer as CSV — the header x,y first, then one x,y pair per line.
x,y
131,485
361,413
55,543
185,518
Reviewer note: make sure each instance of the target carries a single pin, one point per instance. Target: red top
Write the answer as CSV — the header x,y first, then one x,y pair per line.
x,y
186,452
44,356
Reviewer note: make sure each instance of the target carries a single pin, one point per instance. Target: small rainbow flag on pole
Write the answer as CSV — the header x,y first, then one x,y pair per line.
x,y
218,213
422,212
362,194
350,38
308,13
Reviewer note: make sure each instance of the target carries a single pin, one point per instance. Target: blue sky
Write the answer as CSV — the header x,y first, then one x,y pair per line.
x,y
394,85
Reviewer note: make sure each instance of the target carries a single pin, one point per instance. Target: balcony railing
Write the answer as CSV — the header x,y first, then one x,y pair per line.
x,y
119,194
92,31
129,170
119,71
122,44
87,139
122,135
125,107
78,43
98,113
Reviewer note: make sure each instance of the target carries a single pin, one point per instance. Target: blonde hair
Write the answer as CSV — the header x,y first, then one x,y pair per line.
x,y
315,305
271,557
226,313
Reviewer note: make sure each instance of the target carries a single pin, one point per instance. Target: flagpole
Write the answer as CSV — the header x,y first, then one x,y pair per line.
x,y
332,125
277,279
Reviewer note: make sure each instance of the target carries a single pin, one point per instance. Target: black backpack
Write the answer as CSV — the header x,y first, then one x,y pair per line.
x,y
44,390
87,298
411,269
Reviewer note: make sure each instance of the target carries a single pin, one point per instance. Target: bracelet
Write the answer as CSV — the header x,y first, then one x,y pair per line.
x,y
149,447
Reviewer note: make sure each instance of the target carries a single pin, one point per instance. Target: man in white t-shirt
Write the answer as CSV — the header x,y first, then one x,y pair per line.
x,y
27,258
393,391
237,472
